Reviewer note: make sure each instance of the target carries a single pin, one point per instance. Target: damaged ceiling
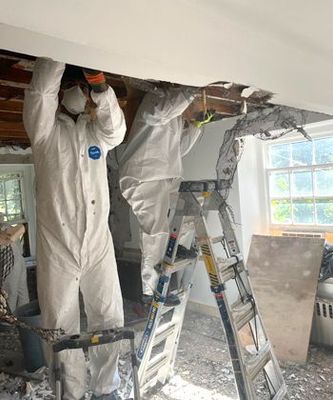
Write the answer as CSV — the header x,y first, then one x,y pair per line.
x,y
228,100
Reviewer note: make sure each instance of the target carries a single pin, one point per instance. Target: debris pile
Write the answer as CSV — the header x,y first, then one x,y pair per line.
x,y
15,388
203,370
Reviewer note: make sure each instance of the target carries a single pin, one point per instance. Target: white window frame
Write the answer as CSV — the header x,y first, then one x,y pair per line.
x,y
28,197
317,130
22,192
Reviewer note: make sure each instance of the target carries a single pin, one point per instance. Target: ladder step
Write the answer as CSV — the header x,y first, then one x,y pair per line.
x,y
217,239
281,392
178,265
226,267
228,262
164,331
242,313
155,364
257,362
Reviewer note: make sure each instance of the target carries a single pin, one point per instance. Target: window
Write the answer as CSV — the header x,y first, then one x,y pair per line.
x,y
300,180
11,204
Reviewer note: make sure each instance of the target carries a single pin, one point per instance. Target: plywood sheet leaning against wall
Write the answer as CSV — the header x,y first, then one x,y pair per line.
x,y
284,274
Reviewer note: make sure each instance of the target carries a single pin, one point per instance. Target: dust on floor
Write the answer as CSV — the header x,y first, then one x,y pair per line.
x,y
202,371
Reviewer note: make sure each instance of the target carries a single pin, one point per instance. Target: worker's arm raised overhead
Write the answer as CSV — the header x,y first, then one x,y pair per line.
x,y
189,137
110,125
41,99
163,107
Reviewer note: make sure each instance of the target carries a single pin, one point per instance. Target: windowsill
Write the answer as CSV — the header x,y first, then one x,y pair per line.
x,y
302,228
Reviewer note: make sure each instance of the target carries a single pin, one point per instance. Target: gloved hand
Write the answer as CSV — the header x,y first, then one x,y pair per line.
x,y
207,118
96,80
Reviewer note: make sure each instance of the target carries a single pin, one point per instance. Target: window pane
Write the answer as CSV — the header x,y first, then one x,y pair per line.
x,y
13,188
2,191
279,155
324,182
14,207
303,211
301,153
2,207
324,150
13,217
279,185
301,183
324,209
281,211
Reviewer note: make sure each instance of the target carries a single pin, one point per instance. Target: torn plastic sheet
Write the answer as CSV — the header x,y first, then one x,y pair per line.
x,y
267,124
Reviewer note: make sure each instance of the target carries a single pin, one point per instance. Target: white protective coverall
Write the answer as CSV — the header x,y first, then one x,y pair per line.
x,y
74,244
151,170
15,284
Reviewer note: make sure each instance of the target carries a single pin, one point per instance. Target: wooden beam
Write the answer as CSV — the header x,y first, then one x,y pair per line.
x,y
11,127
234,94
11,106
10,117
16,136
10,136
9,92
219,106
15,75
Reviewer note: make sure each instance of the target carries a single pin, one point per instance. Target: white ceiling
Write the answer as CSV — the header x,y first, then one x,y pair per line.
x,y
283,46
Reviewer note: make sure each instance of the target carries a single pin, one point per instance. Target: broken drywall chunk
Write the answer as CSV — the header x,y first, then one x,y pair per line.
x,y
247,92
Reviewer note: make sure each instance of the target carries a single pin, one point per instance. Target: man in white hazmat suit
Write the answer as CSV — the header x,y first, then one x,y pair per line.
x,y
151,170
74,245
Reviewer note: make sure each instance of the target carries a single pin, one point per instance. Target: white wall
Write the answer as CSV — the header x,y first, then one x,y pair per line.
x,y
200,164
281,46
252,192
247,197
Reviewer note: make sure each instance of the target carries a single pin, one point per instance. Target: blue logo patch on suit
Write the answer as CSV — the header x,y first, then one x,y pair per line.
x,y
94,152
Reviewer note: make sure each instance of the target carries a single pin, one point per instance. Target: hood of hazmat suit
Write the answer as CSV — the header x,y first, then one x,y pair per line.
x,y
74,244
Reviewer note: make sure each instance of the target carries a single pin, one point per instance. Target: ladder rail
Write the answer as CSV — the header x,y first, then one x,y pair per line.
x,y
197,199
233,248
245,391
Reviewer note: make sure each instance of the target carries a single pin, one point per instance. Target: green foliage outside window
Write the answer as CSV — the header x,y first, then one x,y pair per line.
x,y
301,182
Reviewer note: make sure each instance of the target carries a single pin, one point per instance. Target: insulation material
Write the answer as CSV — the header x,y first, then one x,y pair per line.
x,y
284,273
267,124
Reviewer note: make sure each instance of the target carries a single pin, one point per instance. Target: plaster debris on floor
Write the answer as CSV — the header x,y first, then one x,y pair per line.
x,y
202,372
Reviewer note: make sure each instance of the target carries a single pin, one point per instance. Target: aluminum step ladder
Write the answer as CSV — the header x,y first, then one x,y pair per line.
x,y
251,353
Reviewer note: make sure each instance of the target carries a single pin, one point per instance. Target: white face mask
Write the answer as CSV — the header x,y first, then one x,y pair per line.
x,y
74,100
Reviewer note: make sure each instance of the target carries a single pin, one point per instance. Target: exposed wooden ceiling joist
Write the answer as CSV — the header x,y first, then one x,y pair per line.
x,y
10,117
10,92
11,126
16,75
11,106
